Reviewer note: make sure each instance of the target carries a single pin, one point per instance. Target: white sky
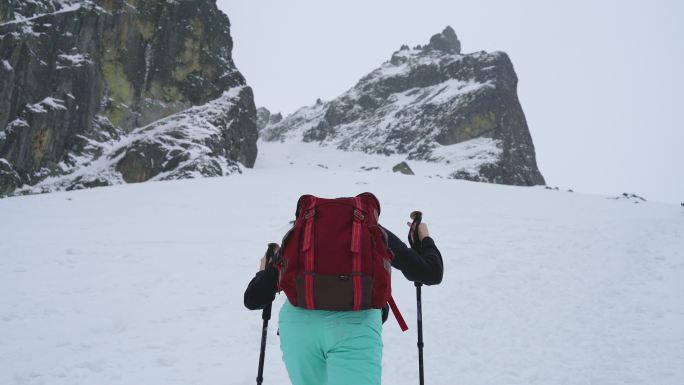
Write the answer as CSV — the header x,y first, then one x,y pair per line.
x,y
600,81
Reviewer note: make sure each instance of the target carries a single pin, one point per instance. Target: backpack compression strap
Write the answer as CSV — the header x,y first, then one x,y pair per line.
x,y
397,314
356,251
308,250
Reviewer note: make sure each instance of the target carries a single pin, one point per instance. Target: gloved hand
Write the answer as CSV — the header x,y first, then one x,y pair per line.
x,y
271,254
422,230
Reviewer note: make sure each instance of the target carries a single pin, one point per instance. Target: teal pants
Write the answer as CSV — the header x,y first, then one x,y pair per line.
x,y
331,347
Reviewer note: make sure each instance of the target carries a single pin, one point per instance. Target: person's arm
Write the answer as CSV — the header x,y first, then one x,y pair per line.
x,y
424,266
262,289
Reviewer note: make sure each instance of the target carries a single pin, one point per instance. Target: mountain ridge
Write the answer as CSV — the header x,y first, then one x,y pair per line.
x,y
420,102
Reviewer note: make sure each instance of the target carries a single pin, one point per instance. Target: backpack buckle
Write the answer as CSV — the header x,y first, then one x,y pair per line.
x,y
359,215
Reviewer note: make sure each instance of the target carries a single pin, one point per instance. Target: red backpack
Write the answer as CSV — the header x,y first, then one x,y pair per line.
x,y
336,257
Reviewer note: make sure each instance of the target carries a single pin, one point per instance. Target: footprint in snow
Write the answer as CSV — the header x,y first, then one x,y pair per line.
x,y
166,361
96,366
7,317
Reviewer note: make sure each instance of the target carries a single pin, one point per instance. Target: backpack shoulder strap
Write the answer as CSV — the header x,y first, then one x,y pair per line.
x,y
308,247
356,250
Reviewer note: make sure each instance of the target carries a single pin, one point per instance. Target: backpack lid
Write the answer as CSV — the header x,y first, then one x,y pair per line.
x,y
305,200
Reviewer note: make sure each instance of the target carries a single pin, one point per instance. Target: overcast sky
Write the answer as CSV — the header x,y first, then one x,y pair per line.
x,y
600,82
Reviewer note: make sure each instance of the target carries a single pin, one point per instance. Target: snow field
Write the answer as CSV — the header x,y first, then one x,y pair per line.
x,y
143,284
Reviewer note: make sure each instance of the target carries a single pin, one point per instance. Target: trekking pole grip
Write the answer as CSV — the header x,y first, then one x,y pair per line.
x,y
414,239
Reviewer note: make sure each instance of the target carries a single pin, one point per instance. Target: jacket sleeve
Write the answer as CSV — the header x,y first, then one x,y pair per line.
x,y
424,266
261,289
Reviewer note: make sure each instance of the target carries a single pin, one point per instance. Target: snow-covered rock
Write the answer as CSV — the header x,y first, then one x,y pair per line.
x,y
265,118
203,141
12,11
80,76
429,103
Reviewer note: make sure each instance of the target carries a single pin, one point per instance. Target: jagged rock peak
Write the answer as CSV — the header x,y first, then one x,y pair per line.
x,y
447,41
265,118
430,103
262,117
276,118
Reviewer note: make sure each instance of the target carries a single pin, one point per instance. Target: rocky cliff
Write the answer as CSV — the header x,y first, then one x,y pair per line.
x,y
430,103
111,91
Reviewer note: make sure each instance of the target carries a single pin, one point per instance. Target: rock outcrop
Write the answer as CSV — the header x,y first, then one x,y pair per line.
x,y
200,141
403,168
266,118
81,81
430,103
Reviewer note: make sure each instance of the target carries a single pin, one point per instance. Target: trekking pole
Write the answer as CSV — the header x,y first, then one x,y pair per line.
x,y
420,333
414,241
266,316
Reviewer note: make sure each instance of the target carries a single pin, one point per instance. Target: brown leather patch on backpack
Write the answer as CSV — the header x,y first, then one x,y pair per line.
x,y
336,292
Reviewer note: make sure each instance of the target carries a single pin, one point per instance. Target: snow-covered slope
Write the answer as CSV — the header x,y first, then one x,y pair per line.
x,y
143,283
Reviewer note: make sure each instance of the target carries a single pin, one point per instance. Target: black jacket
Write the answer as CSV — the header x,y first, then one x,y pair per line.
x,y
424,266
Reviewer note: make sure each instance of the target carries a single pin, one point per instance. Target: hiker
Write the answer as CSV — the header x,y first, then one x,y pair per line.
x,y
336,347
